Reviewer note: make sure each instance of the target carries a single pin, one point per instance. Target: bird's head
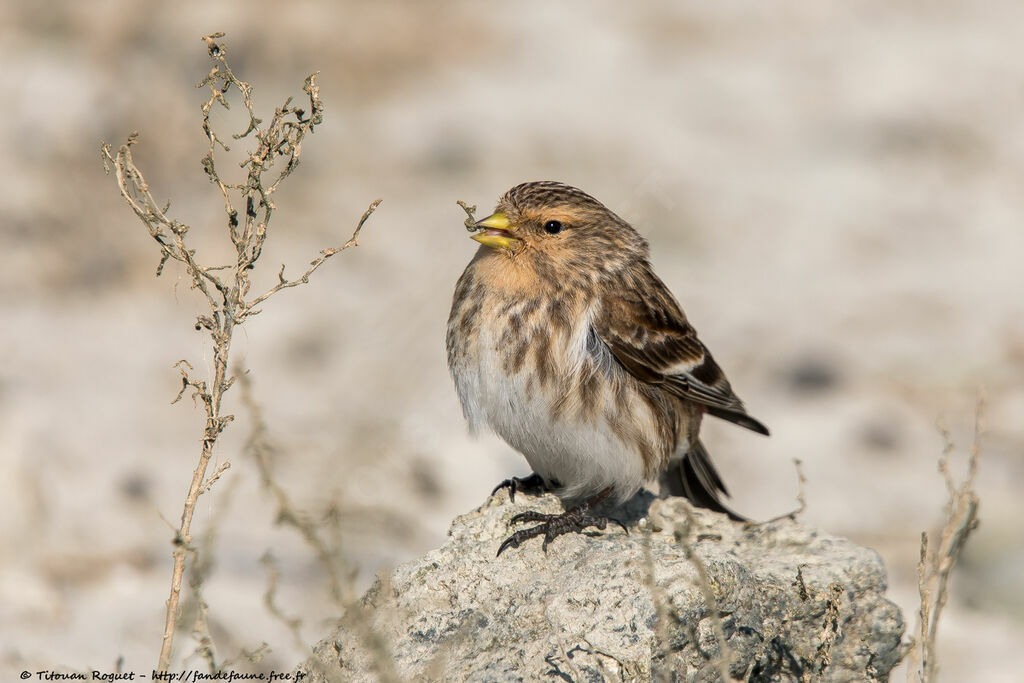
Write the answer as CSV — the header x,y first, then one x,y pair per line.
x,y
552,225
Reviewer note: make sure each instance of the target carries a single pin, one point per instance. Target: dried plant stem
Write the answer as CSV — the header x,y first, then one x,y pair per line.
x,y
340,575
662,609
470,218
225,288
682,535
215,424
937,561
270,600
801,501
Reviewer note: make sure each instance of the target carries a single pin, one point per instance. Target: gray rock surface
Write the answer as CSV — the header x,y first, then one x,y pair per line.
x,y
793,604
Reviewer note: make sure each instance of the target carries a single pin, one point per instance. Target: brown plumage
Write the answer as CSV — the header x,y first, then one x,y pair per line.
x,y
563,340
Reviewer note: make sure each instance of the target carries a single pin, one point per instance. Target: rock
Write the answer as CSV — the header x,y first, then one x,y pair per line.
x,y
792,603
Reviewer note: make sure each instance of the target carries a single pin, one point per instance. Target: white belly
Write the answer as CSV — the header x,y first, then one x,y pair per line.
x,y
579,452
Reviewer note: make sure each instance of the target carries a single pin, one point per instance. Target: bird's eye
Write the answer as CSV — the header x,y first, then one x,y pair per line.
x,y
553,227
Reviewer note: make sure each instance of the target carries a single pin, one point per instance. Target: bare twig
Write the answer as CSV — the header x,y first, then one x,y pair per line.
x,y
801,481
224,467
470,219
937,561
270,600
325,254
662,610
276,153
251,656
200,566
682,533
340,575
201,625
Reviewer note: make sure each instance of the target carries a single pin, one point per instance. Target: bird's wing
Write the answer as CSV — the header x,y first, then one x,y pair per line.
x,y
649,335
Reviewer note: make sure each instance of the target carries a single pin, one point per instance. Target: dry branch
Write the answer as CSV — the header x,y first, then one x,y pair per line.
x,y
470,222
340,575
682,534
248,207
801,500
937,561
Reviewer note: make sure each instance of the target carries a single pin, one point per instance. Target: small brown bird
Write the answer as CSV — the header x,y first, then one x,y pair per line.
x,y
563,341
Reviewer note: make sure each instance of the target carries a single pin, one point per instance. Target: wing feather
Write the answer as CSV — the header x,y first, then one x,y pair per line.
x,y
649,335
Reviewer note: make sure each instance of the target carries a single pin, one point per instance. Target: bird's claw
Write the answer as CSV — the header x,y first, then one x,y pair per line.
x,y
534,482
531,516
551,527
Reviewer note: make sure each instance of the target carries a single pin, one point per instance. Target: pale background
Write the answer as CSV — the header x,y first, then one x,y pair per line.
x,y
834,194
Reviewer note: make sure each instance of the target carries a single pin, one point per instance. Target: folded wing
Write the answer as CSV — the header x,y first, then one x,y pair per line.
x,y
649,335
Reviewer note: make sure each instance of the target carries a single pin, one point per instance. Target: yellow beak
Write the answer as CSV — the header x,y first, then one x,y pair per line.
x,y
495,232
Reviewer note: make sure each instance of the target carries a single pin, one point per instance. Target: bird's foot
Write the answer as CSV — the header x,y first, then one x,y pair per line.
x,y
575,519
534,482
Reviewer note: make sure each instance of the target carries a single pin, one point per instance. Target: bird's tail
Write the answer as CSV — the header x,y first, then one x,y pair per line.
x,y
694,477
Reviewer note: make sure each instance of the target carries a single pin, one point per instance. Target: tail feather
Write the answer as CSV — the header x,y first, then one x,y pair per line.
x,y
741,419
694,477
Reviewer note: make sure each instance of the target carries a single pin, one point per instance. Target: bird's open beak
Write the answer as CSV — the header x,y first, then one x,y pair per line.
x,y
495,234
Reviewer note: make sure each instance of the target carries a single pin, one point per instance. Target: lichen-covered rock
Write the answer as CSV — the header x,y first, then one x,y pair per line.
x,y
791,603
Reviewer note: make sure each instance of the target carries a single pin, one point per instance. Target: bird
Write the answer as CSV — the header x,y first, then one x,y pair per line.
x,y
563,341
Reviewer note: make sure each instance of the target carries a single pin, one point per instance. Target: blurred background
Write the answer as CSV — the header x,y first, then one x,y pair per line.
x,y
833,193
